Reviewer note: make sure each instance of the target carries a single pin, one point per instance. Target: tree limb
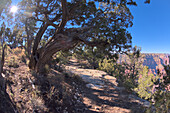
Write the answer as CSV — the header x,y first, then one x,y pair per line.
x,y
64,16
39,36
63,22
93,43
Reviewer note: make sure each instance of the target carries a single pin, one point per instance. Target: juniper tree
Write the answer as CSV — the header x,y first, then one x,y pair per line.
x,y
91,22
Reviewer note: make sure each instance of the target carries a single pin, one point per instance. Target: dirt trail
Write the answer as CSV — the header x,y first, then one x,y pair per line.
x,y
64,92
102,93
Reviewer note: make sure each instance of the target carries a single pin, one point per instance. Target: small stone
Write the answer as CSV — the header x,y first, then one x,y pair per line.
x,y
146,104
75,97
89,85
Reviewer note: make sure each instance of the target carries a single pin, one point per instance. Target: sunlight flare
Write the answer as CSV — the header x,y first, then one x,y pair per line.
x,y
14,9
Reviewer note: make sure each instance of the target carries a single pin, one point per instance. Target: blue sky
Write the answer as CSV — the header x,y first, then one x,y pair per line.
x,y
151,26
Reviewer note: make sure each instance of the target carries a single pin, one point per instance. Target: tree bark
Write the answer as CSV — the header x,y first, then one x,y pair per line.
x,y
29,38
44,55
2,60
29,45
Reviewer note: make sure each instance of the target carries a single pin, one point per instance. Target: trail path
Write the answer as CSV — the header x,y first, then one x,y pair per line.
x,y
93,92
102,93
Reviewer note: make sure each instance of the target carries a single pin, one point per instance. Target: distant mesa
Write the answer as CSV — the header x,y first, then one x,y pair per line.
x,y
154,61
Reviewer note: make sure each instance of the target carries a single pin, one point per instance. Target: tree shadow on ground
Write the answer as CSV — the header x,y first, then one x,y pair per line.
x,y
109,97
6,104
61,93
33,93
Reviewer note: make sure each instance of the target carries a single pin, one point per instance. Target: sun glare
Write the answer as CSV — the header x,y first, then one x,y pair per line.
x,y
14,9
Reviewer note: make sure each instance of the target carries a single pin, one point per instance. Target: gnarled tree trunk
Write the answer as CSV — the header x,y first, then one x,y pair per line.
x,y
43,55
63,38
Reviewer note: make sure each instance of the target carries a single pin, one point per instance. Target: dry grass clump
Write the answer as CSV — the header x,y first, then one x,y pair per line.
x,y
15,56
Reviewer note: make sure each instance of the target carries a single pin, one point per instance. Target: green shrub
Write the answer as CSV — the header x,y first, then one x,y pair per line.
x,y
128,83
145,83
107,65
162,101
162,94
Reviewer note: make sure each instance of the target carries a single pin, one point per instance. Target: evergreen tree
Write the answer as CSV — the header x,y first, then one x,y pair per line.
x,y
94,25
145,83
133,65
162,93
91,54
107,65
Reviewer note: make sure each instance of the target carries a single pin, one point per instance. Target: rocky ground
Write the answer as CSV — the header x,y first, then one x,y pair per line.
x,y
72,90
103,93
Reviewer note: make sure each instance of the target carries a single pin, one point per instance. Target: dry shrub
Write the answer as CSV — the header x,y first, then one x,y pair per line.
x,y
15,56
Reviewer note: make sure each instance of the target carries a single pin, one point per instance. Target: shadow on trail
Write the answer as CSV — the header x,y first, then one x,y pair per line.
x,y
61,93
6,104
112,97
109,97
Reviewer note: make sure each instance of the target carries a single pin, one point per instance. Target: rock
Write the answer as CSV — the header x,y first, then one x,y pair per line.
x,y
94,86
75,97
143,102
89,85
3,75
146,104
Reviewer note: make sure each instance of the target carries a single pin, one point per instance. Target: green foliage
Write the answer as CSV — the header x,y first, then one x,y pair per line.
x,y
162,101
129,84
129,69
119,72
107,65
95,25
93,55
145,83
133,64
162,94
60,58
91,21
